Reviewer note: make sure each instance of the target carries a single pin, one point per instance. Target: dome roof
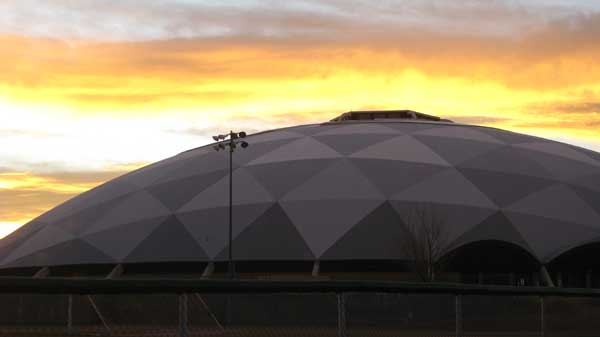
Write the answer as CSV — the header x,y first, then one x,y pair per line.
x,y
332,191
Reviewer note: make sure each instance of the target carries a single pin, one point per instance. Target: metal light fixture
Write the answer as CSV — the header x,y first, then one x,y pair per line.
x,y
231,141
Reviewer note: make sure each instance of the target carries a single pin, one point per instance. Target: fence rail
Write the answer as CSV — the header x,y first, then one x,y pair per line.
x,y
149,286
184,308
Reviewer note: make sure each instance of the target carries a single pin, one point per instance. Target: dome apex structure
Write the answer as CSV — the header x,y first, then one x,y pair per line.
x,y
331,192
387,114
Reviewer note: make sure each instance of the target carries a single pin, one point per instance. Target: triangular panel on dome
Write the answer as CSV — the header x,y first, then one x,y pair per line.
x,y
169,242
558,202
558,149
327,220
175,193
455,220
462,132
138,206
107,191
246,190
392,176
508,137
497,227
508,160
11,243
81,221
150,174
561,168
22,232
457,150
207,163
590,153
70,252
404,148
100,194
348,144
243,156
447,187
312,129
360,128
591,197
505,188
272,236
119,241
408,127
547,237
304,148
274,135
281,177
589,182
210,227
46,237
378,236
341,180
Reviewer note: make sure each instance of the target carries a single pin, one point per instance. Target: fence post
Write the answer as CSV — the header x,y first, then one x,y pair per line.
x,y
341,315
183,315
458,309
542,318
69,314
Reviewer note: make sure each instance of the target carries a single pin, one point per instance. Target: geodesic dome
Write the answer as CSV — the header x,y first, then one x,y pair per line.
x,y
330,192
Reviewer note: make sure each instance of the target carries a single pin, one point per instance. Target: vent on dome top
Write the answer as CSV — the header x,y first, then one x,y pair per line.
x,y
386,114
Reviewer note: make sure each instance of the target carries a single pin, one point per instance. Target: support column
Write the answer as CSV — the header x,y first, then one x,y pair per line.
x,y
546,277
43,272
542,318
535,279
588,278
70,315
208,271
341,315
183,315
116,272
458,311
559,280
316,269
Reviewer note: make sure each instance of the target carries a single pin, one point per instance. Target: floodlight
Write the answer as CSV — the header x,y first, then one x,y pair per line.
x,y
232,143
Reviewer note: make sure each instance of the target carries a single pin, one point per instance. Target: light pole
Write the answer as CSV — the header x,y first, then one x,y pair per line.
x,y
231,141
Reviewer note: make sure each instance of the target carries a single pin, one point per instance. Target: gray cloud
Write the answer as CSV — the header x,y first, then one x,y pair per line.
x,y
153,19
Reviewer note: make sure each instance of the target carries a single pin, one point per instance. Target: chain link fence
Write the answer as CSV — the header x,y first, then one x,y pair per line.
x,y
340,309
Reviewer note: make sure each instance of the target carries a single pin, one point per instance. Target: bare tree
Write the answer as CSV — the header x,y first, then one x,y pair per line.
x,y
424,239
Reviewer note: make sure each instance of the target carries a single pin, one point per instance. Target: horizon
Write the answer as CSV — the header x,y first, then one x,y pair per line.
x,y
87,83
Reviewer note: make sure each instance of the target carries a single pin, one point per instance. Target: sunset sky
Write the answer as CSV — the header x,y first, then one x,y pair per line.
x,y
91,89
